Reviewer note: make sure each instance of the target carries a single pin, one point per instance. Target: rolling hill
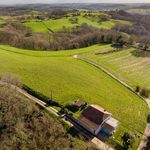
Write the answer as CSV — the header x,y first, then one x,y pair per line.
x,y
130,65
69,79
58,24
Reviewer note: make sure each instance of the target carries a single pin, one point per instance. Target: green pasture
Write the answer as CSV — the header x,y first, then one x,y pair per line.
x,y
130,65
58,24
69,79
2,21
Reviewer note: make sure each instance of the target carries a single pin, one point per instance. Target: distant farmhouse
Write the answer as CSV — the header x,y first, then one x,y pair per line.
x,y
95,119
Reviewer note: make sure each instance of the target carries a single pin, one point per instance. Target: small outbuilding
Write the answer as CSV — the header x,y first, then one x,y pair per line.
x,y
79,104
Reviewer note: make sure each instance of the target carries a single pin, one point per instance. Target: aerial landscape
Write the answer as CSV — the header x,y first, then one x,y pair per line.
x,y
74,75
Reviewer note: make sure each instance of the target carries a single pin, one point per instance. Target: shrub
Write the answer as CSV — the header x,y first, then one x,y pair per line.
x,y
137,89
145,93
127,140
74,20
11,79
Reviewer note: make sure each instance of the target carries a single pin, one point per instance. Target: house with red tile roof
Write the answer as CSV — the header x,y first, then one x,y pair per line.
x,y
95,119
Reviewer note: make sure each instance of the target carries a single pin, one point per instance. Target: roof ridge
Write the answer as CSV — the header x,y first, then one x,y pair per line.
x,y
100,109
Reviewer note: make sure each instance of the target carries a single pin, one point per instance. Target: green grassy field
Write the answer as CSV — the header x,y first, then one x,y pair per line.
x,y
2,21
130,65
58,24
69,79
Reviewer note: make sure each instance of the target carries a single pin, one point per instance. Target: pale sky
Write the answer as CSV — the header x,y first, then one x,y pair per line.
x,y
10,2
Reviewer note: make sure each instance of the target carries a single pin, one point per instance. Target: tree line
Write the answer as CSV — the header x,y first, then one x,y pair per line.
x,y
139,30
15,34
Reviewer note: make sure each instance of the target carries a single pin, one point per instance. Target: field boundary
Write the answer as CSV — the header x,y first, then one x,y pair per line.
x,y
146,134
49,51
109,73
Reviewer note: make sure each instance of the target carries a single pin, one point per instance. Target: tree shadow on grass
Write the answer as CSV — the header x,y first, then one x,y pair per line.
x,y
40,96
118,147
71,108
140,53
115,145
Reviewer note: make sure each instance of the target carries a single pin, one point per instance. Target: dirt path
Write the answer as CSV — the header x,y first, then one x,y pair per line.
x,y
144,140
146,134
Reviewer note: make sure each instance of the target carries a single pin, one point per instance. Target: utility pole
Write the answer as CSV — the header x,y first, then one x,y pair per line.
x,y
51,95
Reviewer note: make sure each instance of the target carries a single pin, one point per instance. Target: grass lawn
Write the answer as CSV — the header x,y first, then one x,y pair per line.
x,y
70,79
130,65
2,21
58,24
36,26
54,25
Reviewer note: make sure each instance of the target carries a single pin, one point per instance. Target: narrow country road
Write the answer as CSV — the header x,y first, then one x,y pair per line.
x,y
144,140
146,134
95,141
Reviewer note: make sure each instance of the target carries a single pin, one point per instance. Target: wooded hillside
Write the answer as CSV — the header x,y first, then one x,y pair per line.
x,y
24,126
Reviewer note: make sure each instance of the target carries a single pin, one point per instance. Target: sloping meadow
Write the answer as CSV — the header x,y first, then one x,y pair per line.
x,y
68,79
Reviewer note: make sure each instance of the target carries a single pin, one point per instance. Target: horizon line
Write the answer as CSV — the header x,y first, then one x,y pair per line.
x,y
73,3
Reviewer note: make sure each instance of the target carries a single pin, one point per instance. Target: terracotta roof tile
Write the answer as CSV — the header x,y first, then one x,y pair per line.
x,y
93,116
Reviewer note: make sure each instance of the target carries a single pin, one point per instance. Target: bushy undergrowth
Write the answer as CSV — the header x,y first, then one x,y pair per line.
x,y
17,35
10,79
23,126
